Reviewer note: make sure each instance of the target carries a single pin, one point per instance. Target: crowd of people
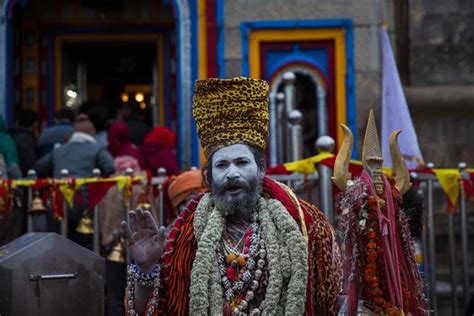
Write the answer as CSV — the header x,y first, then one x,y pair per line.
x,y
81,142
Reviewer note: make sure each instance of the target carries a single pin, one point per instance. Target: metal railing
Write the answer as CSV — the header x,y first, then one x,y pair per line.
x,y
434,251
317,189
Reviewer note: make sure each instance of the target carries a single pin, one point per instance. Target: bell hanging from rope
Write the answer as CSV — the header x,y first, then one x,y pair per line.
x,y
37,205
117,254
85,226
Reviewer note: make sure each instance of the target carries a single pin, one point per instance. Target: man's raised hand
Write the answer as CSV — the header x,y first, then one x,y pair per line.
x,y
145,240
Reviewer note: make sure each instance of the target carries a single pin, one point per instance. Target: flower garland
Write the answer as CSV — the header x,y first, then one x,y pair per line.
x,y
374,268
297,250
275,278
206,290
202,276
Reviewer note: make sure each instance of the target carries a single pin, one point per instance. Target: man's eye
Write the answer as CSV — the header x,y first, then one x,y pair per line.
x,y
242,162
221,165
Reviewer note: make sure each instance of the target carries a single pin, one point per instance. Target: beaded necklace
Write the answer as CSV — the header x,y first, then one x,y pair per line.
x,y
241,270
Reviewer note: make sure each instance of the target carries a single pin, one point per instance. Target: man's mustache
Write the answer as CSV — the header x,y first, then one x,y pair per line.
x,y
234,184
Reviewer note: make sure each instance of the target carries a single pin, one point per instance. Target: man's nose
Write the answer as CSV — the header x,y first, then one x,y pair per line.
x,y
233,173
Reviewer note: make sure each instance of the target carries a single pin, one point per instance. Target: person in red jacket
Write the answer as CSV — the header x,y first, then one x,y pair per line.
x,y
119,142
158,151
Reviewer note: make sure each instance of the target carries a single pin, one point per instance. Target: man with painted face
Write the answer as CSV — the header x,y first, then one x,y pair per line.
x,y
249,246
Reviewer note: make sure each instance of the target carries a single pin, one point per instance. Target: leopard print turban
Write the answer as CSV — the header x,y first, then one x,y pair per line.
x,y
231,111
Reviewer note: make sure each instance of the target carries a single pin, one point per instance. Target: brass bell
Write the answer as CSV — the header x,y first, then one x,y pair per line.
x,y
85,226
117,253
37,205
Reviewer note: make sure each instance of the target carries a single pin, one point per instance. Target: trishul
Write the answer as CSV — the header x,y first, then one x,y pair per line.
x,y
371,159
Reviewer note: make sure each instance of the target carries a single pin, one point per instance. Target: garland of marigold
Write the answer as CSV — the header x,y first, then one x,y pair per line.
x,y
373,274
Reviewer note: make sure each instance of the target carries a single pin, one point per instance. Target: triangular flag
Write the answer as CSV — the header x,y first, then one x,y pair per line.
x,y
395,113
448,179
97,190
68,193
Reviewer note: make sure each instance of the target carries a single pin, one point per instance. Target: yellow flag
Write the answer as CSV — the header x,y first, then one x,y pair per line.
x,y
448,179
68,193
307,165
123,181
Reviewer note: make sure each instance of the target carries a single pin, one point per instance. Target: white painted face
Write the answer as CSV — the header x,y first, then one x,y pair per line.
x,y
235,171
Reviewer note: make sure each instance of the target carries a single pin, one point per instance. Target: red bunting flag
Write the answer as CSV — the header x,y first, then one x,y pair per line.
x,y
97,191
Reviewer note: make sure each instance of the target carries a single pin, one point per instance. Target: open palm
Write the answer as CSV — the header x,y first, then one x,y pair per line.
x,y
145,240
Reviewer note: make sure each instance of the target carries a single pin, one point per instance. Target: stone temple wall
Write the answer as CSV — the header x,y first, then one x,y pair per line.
x,y
441,89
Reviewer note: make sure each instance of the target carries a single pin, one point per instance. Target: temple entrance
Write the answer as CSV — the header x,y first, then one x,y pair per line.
x,y
115,75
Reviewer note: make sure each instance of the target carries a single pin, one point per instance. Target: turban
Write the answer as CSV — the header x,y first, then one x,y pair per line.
x,y
231,111
183,185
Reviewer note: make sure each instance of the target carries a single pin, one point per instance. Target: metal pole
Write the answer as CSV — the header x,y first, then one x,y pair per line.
x,y
322,112
326,144
452,263
295,118
280,104
424,239
162,175
96,245
432,249
31,175
273,131
464,236
128,173
64,175
289,88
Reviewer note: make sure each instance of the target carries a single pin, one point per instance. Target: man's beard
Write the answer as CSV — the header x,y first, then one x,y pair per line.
x,y
241,205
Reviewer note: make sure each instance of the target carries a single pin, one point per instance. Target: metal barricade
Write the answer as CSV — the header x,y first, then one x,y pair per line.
x,y
445,246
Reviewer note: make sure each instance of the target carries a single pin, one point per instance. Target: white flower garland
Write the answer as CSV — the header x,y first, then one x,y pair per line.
x,y
286,256
297,249
203,273
275,278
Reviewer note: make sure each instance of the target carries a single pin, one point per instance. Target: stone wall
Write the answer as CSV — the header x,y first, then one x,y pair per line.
x,y
367,17
441,91
442,42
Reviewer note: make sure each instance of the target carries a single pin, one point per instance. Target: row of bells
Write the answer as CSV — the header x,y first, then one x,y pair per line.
x,y
85,227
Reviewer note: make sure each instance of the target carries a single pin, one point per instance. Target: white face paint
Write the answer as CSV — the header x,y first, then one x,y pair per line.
x,y
235,164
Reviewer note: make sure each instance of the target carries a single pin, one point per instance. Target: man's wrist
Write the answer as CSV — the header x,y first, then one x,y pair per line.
x,y
144,278
146,268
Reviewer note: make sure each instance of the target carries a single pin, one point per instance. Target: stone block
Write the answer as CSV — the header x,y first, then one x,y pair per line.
x,y
368,97
233,67
361,11
445,138
367,48
233,43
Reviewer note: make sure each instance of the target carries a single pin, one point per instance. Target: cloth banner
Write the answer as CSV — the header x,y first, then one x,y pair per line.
x,y
395,113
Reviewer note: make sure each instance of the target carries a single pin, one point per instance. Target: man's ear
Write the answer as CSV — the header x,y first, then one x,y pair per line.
x,y
205,177
261,173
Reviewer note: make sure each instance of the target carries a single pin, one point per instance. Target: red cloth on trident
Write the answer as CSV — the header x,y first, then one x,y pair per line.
x,y
389,237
